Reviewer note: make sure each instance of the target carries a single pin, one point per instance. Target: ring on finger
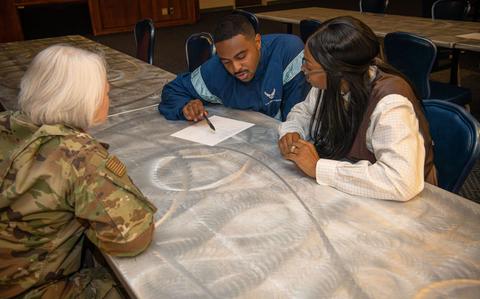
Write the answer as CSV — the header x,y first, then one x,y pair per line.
x,y
292,148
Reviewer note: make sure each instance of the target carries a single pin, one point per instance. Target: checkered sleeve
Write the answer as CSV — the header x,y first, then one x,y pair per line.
x,y
394,137
298,120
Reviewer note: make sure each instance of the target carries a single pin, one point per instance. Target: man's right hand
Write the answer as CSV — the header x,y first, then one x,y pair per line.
x,y
194,110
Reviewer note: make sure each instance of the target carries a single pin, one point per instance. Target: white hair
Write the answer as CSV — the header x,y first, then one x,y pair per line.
x,y
63,85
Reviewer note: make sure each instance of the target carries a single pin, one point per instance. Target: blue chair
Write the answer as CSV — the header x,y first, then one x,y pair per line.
x,y
414,57
308,27
475,8
449,10
251,17
375,6
144,33
456,137
199,48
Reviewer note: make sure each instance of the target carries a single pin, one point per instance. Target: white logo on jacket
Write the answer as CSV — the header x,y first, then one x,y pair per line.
x,y
270,95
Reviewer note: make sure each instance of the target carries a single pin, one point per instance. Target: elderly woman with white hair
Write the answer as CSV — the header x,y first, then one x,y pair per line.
x,y
59,186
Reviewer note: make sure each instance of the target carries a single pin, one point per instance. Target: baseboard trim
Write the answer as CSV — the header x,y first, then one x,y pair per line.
x,y
216,9
232,7
283,2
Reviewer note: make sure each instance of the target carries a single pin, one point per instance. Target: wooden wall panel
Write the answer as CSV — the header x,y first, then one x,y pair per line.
x,y
119,13
107,16
168,10
10,28
110,16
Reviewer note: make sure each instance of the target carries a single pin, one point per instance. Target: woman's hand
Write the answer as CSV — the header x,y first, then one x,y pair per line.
x,y
286,142
305,155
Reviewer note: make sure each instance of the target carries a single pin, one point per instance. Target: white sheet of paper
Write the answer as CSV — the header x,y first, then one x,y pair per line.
x,y
475,35
201,132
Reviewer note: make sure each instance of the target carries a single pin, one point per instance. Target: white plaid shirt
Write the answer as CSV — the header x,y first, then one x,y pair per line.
x,y
393,136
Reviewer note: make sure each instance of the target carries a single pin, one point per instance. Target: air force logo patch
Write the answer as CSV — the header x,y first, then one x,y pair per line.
x,y
270,95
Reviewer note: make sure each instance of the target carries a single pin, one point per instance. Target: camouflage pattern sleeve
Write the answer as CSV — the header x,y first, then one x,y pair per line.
x,y
118,216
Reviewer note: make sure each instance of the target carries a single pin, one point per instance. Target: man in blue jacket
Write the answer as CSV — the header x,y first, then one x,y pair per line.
x,y
248,72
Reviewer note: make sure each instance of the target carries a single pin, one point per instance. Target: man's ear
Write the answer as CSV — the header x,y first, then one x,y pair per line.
x,y
258,41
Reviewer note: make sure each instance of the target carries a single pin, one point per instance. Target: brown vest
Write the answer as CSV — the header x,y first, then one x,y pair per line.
x,y
383,85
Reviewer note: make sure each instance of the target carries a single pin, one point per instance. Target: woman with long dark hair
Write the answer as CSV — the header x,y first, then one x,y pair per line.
x,y
367,131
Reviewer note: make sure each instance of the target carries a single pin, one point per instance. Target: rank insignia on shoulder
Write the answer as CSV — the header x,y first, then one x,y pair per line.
x,y
102,152
116,166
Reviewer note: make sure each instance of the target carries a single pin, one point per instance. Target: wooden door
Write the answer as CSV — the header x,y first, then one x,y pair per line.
x,y
10,27
170,12
114,15
109,16
163,10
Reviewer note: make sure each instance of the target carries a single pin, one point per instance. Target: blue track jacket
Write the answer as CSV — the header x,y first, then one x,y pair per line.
x,y
277,86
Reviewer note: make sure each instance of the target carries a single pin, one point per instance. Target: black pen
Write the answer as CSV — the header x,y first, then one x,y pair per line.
x,y
209,122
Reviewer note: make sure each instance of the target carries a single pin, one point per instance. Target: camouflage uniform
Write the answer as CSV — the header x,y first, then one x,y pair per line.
x,y
58,185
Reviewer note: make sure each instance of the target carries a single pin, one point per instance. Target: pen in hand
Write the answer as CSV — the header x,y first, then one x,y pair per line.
x,y
208,121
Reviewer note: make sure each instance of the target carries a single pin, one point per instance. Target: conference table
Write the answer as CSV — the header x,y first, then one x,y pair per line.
x,y
134,84
444,33
236,220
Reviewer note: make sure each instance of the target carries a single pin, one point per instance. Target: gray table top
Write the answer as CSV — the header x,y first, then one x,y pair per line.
x,y
237,221
442,32
134,84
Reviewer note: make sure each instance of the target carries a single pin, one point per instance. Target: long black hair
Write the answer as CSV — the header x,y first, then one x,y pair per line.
x,y
345,48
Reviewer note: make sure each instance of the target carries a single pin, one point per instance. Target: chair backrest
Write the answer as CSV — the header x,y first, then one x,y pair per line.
x,y
308,27
251,17
199,48
144,33
450,9
375,6
456,137
413,56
